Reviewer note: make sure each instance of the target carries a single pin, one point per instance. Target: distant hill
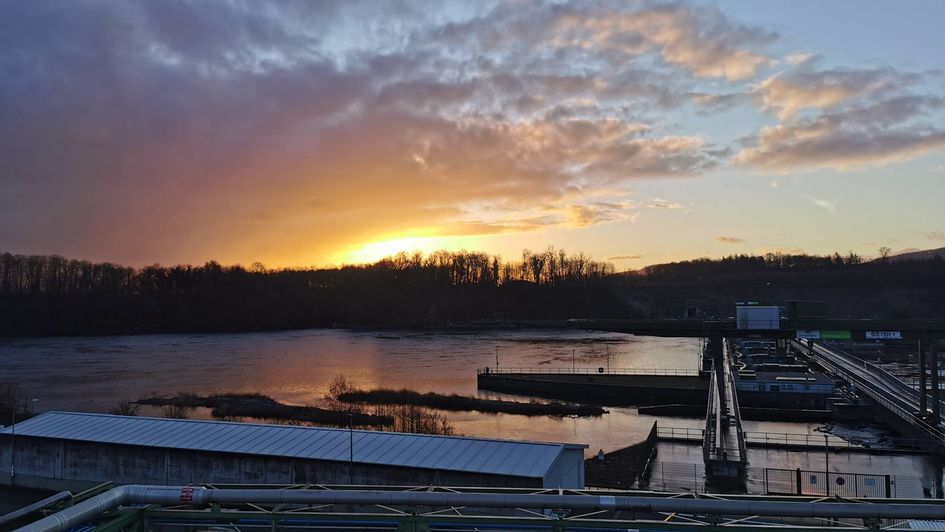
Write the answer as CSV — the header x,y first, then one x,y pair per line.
x,y
919,255
51,295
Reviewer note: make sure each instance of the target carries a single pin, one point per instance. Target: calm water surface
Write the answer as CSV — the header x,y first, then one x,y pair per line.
x,y
94,373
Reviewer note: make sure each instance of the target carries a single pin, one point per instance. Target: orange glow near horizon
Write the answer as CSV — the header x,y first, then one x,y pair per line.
x,y
374,251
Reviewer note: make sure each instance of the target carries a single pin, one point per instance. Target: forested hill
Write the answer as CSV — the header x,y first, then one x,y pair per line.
x,y
50,295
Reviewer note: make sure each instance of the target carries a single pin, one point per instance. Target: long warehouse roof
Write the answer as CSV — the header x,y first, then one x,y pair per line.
x,y
474,455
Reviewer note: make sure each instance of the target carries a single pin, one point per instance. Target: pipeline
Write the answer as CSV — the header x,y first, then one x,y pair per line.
x,y
199,496
56,498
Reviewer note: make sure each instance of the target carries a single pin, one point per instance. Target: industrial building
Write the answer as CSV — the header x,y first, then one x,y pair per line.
x,y
60,449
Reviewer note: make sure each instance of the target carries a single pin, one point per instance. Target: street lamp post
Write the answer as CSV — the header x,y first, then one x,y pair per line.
x,y
350,448
13,445
13,441
827,464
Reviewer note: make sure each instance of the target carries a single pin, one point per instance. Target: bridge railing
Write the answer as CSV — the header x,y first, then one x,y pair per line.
x,y
680,433
740,433
709,435
797,439
592,371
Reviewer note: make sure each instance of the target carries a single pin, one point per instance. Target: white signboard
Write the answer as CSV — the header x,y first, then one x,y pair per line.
x,y
883,335
808,334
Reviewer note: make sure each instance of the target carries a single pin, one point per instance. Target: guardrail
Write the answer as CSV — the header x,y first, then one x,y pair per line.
x,y
736,412
707,433
788,439
592,371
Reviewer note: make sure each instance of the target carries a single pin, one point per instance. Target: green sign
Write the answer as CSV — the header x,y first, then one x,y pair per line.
x,y
835,335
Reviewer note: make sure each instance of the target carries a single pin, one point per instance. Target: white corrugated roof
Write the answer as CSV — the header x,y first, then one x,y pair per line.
x,y
499,457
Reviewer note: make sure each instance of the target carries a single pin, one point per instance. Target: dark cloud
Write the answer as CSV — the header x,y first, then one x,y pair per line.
x,y
862,116
132,131
183,130
730,240
877,133
624,257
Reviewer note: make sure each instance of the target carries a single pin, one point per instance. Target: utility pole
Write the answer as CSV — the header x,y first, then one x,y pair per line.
x,y
827,464
496,359
923,400
13,438
13,444
608,359
350,449
573,368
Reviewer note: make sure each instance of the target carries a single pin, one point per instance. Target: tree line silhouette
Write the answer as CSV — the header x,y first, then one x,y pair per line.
x,y
51,295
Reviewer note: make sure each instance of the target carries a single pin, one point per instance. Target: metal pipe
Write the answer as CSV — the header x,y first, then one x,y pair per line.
x,y
113,498
38,505
200,496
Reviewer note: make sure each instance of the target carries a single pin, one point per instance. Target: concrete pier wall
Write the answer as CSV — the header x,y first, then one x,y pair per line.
x,y
601,389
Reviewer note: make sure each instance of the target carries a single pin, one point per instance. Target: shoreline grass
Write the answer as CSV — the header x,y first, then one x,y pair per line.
x,y
255,405
454,402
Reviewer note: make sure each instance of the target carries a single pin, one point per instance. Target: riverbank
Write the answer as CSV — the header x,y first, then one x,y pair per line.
x,y
254,405
461,403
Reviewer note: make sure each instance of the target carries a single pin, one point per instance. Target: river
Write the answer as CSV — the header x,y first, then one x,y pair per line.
x,y
94,373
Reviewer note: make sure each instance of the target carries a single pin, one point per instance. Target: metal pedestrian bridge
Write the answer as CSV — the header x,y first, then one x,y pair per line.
x,y
885,389
723,446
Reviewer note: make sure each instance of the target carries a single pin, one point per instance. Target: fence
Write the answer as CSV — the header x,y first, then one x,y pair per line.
x,y
675,477
821,483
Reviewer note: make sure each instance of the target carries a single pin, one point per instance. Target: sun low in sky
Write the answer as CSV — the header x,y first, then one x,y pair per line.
x,y
317,133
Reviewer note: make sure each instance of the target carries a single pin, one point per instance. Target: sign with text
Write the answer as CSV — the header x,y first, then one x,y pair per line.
x,y
808,334
883,335
835,335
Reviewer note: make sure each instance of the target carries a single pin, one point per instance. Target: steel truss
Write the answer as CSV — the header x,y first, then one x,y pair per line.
x,y
255,515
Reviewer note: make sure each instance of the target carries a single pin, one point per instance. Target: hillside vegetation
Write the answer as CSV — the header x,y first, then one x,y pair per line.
x,y
50,295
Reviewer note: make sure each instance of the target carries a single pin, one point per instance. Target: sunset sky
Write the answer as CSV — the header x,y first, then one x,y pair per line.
x,y
316,133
